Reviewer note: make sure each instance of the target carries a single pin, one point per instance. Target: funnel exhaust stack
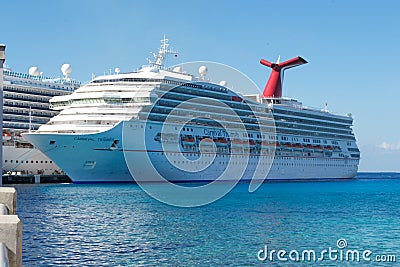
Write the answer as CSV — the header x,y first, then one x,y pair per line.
x,y
273,88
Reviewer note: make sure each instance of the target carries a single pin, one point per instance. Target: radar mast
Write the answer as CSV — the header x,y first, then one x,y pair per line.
x,y
159,57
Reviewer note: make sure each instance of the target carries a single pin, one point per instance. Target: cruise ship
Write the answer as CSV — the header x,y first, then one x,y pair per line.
x,y
163,122
26,107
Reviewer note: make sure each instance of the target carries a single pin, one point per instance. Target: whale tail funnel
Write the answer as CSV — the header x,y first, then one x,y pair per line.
x,y
273,88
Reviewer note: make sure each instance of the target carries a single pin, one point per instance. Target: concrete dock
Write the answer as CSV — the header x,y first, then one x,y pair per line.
x,y
36,179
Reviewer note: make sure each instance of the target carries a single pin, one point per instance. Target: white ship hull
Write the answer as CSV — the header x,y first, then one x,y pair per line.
x,y
26,160
25,108
96,160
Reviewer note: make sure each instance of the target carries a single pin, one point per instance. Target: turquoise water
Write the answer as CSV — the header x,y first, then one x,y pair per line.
x,y
120,225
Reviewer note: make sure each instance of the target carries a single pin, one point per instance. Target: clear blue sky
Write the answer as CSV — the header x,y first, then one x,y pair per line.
x,y
352,48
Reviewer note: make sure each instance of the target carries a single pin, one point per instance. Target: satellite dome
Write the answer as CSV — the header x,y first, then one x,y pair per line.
x,y
203,71
34,71
223,83
117,70
66,69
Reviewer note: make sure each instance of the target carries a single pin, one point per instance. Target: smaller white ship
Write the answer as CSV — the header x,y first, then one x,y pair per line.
x,y
26,107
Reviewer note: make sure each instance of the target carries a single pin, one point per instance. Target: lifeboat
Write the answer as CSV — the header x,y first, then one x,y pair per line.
x,y
266,144
236,143
251,143
298,146
205,140
308,147
221,142
188,140
6,136
287,146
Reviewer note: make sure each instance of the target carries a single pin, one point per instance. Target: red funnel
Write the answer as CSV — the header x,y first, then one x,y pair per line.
x,y
274,84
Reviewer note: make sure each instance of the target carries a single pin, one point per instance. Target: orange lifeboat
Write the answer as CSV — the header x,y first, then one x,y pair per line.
x,y
6,136
188,140
251,143
221,142
236,143
206,140
298,146
267,144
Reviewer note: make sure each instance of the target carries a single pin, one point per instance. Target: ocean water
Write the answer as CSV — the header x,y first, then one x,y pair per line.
x,y
120,225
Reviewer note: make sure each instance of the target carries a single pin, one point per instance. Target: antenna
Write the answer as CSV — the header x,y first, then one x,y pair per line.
x,y
273,88
164,44
159,57
326,107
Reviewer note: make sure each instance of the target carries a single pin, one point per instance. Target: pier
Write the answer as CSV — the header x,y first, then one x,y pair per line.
x,y
35,179
10,229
